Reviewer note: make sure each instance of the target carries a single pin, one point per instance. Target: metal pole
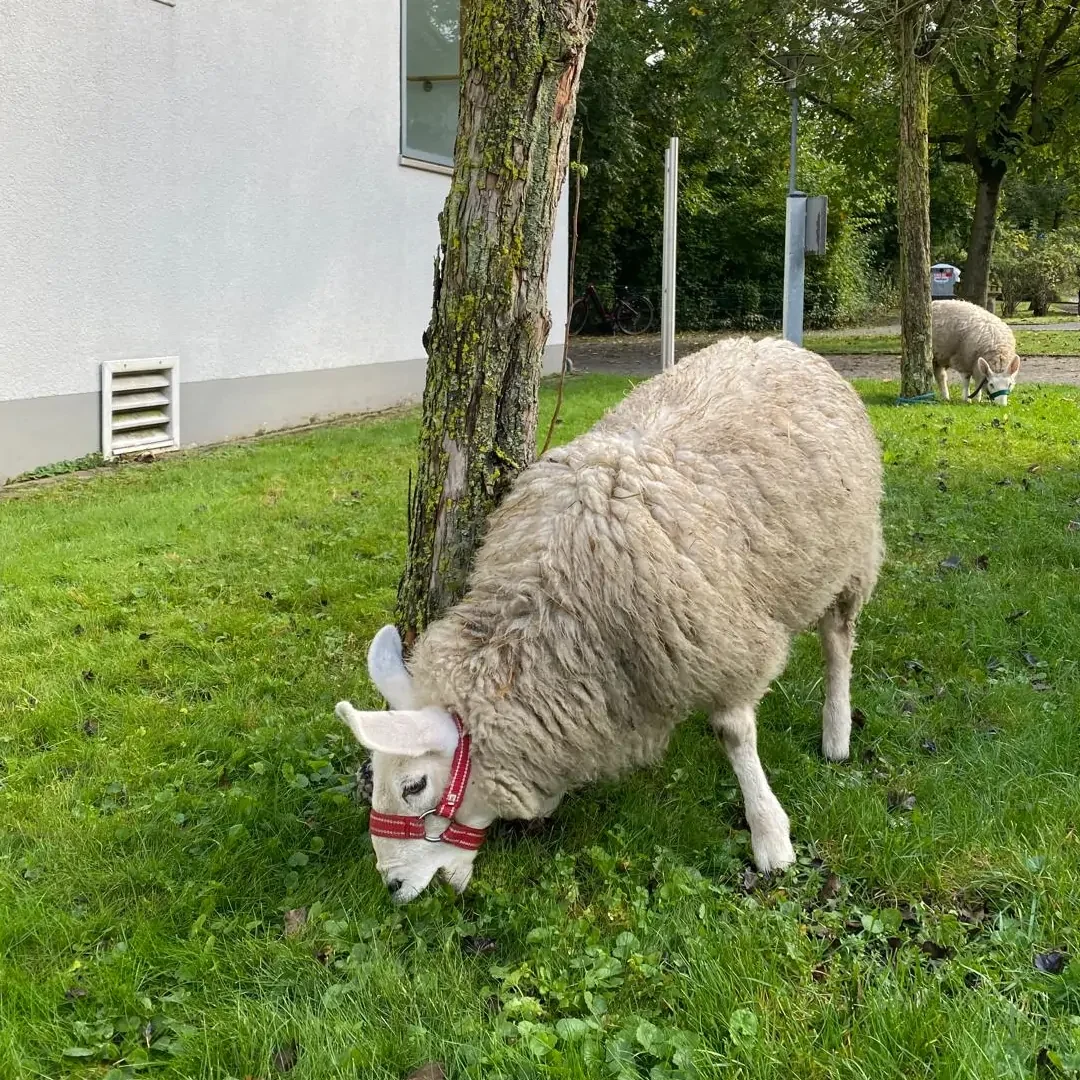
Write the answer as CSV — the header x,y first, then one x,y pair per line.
x,y
671,221
794,136
794,266
794,236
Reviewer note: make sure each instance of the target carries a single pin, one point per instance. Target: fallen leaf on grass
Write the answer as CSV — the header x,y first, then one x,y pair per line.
x,y
433,1070
478,946
935,951
900,800
284,1057
749,880
830,888
1052,963
90,727
1018,614
294,921
72,993
1029,659
858,718
982,562
1040,685
1073,526
929,746
952,562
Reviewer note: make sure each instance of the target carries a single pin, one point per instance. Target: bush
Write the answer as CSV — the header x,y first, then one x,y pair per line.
x,y
1034,266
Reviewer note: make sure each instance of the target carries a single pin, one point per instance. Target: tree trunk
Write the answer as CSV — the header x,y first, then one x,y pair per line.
x,y
975,285
521,64
913,203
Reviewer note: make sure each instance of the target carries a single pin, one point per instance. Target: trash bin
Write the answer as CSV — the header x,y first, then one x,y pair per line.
x,y
944,277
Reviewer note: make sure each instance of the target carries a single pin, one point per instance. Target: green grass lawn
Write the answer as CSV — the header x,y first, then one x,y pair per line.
x,y
1028,343
173,782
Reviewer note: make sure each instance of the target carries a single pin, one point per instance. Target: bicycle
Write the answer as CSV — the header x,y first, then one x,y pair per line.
x,y
631,313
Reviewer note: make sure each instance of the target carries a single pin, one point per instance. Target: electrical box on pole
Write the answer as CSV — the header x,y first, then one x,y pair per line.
x,y
817,219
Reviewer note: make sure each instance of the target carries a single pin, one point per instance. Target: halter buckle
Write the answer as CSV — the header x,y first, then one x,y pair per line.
x,y
431,813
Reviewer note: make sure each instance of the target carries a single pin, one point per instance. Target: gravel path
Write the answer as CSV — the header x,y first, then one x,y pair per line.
x,y
641,356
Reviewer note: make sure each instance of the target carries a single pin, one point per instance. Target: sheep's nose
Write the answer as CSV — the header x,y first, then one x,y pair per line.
x,y
394,884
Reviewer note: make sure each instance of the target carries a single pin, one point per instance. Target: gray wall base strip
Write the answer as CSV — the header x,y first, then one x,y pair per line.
x,y
41,431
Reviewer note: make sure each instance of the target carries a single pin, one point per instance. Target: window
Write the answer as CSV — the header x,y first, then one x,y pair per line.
x,y
430,65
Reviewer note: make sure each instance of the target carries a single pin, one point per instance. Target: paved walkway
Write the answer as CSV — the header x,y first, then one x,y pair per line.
x,y
641,356
894,328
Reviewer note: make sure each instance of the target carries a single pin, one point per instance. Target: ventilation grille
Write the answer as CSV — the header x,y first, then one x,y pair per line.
x,y
139,405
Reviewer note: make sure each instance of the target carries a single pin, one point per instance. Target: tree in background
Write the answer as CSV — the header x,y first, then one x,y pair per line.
x,y
703,72
521,63
916,31
1014,79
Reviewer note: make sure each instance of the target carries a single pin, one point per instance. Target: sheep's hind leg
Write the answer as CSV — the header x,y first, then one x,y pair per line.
x,y
836,628
769,826
942,382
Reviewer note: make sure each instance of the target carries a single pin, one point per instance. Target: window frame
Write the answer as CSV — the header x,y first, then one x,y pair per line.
x,y
407,156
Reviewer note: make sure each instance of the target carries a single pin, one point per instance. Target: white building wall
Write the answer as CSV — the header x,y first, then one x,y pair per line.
x,y
218,182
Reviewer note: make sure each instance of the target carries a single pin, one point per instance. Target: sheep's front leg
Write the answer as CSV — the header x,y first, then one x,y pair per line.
x,y
769,826
942,382
967,388
836,628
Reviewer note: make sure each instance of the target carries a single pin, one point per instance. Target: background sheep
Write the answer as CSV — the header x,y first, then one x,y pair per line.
x,y
658,564
978,345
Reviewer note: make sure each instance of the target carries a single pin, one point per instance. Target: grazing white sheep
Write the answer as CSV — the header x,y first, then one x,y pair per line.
x,y
658,564
978,345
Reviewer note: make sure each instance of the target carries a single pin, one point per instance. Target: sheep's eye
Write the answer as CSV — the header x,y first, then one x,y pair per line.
x,y
414,788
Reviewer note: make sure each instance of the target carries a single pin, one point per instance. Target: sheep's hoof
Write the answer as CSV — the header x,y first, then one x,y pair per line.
x,y
835,754
772,850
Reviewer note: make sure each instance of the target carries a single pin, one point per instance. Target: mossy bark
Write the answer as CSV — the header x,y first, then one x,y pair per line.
x,y
913,203
521,64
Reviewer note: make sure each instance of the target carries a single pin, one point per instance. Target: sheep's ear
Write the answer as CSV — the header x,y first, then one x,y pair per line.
x,y
1014,366
983,367
408,733
387,669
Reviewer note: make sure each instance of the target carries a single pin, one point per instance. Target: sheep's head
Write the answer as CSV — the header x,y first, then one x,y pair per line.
x,y
998,383
412,748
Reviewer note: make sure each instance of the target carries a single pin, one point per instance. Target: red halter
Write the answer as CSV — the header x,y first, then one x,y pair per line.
x,y
408,827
